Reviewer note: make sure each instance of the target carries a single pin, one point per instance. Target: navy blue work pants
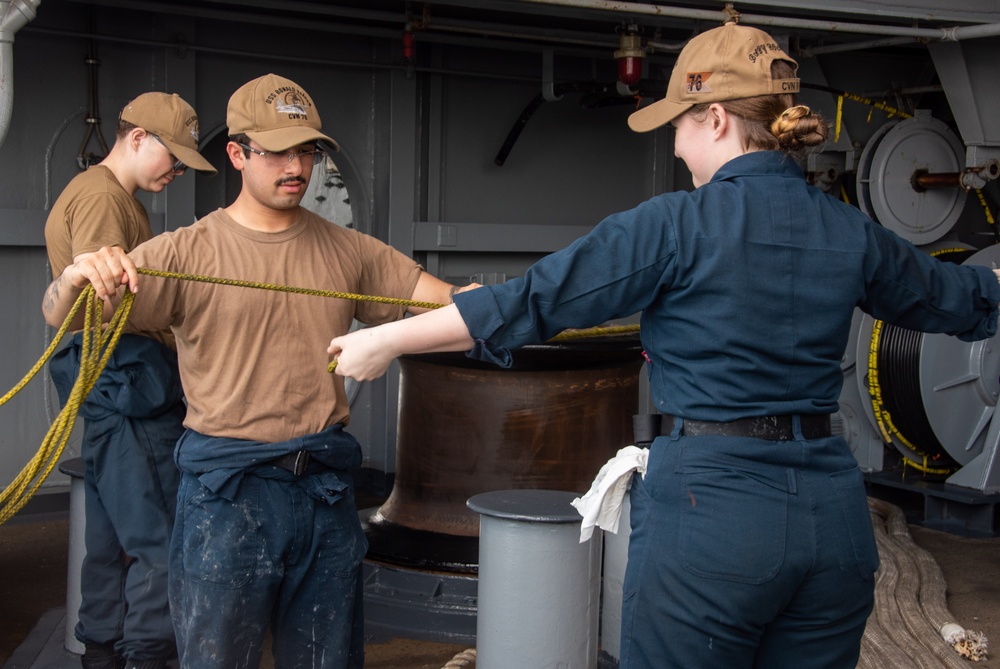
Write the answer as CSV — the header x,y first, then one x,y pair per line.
x,y
748,554
132,419
272,556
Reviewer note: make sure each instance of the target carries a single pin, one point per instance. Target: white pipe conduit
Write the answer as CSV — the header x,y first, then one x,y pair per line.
x,y
950,34
14,15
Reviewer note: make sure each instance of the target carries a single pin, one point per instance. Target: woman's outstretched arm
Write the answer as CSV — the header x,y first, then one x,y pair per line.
x,y
366,354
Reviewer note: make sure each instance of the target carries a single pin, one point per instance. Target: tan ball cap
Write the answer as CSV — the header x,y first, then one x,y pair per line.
x,y
174,121
726,63
276,113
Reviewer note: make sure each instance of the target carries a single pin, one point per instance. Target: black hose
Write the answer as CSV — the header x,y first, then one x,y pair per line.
x,y
598,95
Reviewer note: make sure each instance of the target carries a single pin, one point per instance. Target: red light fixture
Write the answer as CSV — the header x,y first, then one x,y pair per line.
x,y
408,42
630,55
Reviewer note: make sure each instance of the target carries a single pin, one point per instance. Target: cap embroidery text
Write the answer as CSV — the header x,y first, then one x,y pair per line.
x,y
761,50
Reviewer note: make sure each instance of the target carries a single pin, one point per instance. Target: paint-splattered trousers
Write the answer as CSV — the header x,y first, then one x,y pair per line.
x,y
276,551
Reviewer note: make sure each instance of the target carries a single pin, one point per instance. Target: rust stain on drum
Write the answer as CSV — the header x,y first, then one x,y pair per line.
x,y
548,422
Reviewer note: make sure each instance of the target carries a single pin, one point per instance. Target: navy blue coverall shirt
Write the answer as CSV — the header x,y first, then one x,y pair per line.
x,y
747,287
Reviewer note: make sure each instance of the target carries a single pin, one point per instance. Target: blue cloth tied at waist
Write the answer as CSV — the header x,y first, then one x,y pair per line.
x,y
221,462
140,380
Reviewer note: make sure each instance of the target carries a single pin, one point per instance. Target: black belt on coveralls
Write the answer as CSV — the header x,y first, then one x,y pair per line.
x,y
773,428
296,462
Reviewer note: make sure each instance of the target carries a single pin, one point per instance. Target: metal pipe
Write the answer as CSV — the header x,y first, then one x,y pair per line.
x,y
364,65
906,90
971,32
382,18
924,181
971,177
634,8
14,15
518,42
441,26
623,9
857,46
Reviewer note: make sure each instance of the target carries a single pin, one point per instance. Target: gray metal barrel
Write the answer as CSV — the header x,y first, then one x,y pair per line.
x,y
539,587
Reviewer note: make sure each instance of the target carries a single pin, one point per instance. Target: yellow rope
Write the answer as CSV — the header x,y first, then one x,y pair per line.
x,y
606,331
567,334
98,344
290,289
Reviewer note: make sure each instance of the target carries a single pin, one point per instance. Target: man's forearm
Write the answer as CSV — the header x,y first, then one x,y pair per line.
x,y
106,270
433,290
59,298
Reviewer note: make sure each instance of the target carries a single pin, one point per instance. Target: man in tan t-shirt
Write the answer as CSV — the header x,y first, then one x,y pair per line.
x,y
267,532
133,417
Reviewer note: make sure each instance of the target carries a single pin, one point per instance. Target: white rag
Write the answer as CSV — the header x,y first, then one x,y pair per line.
x,y
602,505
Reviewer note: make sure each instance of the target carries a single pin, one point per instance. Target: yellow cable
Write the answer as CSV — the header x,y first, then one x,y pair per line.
x,y
290,289
892,111
839,119
605,331
99,343
567,334
882,417
986,206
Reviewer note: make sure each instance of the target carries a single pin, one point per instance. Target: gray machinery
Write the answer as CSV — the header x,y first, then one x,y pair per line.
x,y
930,397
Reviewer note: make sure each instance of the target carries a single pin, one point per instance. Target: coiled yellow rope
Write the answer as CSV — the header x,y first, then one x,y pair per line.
x,y
98,344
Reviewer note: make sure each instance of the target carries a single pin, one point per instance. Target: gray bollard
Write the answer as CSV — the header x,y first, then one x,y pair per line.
x,y
615,561
74,468
539,587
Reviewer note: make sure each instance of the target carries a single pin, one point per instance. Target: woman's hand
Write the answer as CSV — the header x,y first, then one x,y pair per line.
x,y
366,354
363,354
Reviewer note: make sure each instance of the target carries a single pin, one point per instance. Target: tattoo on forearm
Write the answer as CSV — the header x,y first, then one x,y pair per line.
x,y
51,296
451,293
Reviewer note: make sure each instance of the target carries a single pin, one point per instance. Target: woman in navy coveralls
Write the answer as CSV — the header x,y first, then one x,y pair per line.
x,y
751,540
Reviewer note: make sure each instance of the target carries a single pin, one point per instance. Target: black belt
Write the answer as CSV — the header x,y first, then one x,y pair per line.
x,y
296,462
773,428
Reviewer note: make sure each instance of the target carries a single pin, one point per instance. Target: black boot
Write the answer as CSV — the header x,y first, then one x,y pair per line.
x,y
101,656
